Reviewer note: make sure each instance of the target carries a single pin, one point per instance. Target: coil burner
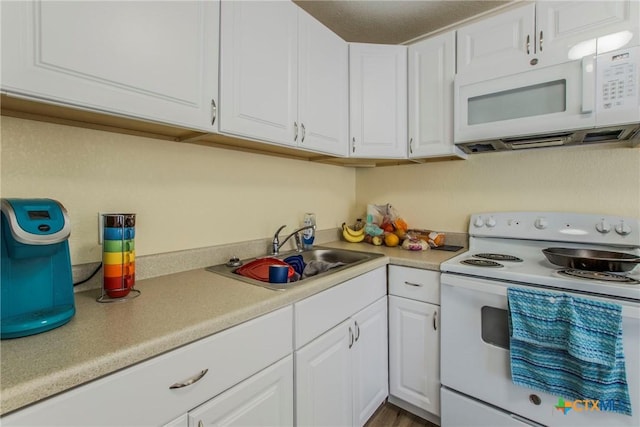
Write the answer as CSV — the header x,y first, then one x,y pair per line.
x,y
598,275
498,257
481,263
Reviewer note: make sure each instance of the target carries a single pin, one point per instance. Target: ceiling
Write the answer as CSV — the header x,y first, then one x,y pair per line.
x,y
392,21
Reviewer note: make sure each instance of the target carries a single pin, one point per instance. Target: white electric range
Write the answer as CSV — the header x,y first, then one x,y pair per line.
x,y
506,251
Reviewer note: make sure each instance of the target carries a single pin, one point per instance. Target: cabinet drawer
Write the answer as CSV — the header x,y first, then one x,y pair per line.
x,y
414,283
319,313
140,395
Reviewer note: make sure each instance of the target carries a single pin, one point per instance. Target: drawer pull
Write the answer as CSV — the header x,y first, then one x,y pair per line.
x,y
191,380
435,320
357,331
417,285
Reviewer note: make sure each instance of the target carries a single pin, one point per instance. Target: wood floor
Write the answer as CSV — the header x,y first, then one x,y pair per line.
x,y
389,415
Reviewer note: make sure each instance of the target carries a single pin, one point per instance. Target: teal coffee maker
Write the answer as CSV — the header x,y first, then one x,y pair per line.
x,y
37,287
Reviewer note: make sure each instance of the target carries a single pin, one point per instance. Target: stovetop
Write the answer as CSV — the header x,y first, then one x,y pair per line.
x,y
523,235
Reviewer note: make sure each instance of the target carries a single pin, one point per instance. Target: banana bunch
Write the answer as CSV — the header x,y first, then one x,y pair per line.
x,y
351,235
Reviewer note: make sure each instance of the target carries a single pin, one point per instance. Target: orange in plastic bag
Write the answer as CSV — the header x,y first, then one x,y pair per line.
x,y
400,224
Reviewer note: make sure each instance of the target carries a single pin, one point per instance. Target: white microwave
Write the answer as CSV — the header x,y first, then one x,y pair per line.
x,y
593,99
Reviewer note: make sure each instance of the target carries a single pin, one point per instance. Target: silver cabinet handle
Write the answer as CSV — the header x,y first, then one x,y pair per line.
x,y
435,320
353,144
295,127
528,43
357,330
417,285
411,146
191,380
541,40
351,340
304,132
214,111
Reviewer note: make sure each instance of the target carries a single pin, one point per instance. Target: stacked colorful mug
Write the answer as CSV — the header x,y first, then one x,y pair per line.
x,y
118,254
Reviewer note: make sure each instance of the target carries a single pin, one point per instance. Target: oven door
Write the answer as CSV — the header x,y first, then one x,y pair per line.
x,y
475,355
553,99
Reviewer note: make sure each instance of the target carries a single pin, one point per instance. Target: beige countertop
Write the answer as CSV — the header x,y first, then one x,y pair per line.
x,y
172,310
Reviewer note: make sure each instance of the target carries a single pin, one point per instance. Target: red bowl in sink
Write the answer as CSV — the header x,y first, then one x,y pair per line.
x,y
258,269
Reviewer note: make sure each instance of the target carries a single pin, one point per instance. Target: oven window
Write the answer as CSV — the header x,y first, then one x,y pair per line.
x,y
495,326
529,101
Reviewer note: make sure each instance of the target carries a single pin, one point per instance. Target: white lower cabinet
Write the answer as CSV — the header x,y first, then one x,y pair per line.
x,y
341,376
414,338
341,352
161,389
265,399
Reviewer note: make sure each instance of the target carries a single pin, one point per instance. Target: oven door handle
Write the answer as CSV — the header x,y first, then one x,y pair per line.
x,y
629,310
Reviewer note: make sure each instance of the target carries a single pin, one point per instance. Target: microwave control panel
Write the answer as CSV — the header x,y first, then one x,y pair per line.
x,y
617,83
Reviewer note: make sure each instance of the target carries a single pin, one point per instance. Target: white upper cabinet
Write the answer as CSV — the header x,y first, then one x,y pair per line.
x,y
323,88
431,74
378,100
544,33
259,70
155,61
284,77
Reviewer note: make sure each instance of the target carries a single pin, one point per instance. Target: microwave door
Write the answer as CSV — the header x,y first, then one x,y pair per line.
x,y
546,100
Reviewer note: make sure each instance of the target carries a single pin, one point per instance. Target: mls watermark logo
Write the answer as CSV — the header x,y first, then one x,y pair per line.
x,y
585,405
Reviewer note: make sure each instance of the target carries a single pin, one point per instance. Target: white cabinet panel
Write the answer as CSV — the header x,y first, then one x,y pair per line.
x,y
563,25
545,33
151,60
259,69
323,90
414,353
378,100
415,283
431,73
265,399
323,379
370,369
319,313
284,77
341,376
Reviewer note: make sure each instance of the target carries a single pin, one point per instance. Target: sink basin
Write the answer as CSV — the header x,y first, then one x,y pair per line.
x,y
330,255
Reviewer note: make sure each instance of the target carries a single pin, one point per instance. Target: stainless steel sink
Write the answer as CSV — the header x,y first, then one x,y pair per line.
x,y
348,257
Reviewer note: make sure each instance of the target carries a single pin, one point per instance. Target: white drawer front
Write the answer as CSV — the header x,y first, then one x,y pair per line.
x,y
414,283
140,395
319,313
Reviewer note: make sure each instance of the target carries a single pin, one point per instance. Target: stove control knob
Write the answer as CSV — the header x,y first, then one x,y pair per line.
x,y
623,229
603,227
490,222
541,223
478,222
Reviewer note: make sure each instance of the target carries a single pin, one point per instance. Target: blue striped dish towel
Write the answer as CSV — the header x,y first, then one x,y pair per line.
x,y
567,346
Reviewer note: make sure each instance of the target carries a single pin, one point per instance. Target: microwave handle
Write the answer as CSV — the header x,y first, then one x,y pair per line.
x,y
588,84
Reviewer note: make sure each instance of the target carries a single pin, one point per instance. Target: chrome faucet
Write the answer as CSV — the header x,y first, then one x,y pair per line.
x,y
276,245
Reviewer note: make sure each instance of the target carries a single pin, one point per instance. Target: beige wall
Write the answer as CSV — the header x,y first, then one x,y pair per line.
x,y
188,196
442,195
185,196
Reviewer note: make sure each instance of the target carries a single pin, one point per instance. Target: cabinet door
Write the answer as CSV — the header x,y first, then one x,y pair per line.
x,y
499,45
414,353
323,88
323,379
152,60
431,73
378,100
370,367
258,70
569,30
266,399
